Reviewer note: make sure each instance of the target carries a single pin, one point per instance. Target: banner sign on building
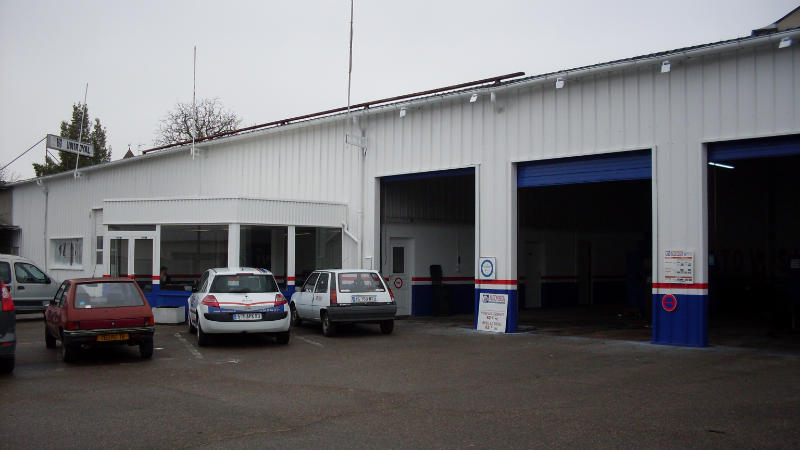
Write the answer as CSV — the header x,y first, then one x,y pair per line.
x,y
679,266
492,312
63,144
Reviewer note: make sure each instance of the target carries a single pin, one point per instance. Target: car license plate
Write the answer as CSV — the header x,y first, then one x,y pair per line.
x,y
113,337
247,316
363,298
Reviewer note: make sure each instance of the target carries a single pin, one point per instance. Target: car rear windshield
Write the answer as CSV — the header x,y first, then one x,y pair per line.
x,y
107,295
243,283
360,282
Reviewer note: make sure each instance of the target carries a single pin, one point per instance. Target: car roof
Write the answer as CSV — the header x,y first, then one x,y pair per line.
x,y
346,270
15,258
100,280
238,270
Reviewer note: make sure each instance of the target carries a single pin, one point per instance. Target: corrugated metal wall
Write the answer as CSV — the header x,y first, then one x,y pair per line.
x,y
745,92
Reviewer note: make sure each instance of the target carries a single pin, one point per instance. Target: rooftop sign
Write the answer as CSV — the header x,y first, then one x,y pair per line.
x,y
63,144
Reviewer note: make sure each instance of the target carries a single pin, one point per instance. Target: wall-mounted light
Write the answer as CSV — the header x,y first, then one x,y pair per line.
x,y
724,166
665,67
474,98
785,42
559,83
402,112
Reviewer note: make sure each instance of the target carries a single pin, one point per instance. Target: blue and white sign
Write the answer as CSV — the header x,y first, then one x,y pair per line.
x,y
487,266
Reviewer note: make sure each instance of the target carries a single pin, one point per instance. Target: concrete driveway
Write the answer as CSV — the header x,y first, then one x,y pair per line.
x,y
427,385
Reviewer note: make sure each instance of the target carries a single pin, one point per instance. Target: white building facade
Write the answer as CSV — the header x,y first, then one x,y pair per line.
x,y
444,179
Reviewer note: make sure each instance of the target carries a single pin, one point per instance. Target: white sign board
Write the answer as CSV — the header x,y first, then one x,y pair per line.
x,y
487,266
679,266
63,144
493,312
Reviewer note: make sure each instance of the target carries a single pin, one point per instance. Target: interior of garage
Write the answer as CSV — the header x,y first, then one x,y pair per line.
x,y
754,244
584,247
433,213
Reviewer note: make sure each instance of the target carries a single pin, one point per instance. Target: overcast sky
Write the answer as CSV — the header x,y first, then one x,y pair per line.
x,y
268,60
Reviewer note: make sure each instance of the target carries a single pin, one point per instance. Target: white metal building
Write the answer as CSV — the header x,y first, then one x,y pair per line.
x,y
569,181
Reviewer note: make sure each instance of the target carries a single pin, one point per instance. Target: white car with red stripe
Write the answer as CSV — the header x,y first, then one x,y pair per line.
x,y
338,296
238,300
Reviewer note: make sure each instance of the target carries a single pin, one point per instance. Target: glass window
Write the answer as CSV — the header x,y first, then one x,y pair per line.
x,y
60,292
398,260
322,283
189,250
67,252
112,294
310,281
5,272
243,283
201,285
99,251
360,282
28,273
317,249
63,297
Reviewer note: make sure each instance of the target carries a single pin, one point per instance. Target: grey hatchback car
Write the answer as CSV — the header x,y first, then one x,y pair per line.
x,y
8,334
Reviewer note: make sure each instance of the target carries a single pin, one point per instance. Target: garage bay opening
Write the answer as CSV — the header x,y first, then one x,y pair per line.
x,y
428,242
754,244
585,245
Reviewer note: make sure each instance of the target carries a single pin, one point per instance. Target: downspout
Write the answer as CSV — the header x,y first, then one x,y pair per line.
x,y
44,232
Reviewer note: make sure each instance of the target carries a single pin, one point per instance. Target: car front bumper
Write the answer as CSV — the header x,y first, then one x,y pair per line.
x,y
362,313
271,322
136,335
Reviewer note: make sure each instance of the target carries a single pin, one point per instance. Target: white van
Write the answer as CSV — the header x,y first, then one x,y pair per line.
x,y
30,287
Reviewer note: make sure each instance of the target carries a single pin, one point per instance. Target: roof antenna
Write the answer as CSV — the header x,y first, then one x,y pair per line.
x,y
194,94
350,63
80,132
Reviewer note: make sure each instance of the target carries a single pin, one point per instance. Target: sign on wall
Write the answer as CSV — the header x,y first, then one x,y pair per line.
x,y
487,267
679,266
63,144
493,312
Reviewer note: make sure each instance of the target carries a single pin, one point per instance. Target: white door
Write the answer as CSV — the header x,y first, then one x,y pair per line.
x,y
303,298
401,267
132,255
320,299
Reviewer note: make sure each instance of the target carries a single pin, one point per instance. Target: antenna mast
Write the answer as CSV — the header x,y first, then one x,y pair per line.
x,y
350,64
80,132
194,94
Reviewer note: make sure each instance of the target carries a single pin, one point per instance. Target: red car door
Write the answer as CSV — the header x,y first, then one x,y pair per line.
x,y
53,313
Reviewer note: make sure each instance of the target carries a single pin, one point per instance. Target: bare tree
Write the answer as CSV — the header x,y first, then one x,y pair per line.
x,y
8,176
207,119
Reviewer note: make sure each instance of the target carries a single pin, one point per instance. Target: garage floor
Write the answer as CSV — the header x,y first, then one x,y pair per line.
x,y
603,323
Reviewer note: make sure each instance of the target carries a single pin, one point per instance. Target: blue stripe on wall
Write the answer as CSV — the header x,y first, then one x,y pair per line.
x,y
686,326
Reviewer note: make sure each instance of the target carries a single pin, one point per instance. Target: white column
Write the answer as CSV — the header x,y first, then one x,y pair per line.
x,y
234,237
290,258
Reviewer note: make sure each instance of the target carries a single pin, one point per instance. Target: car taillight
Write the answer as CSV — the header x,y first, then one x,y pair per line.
x,y
280,300
210,300
8,303
149,321
333,294
71,325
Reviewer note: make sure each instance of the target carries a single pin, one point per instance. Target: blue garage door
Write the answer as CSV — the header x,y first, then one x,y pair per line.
x,y
586,169
772,147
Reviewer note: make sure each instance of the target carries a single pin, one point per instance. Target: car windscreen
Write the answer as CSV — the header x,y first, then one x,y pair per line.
x,y
112,294
243,283
360,282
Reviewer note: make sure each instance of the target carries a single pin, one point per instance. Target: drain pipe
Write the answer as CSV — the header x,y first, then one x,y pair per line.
x,y
44,232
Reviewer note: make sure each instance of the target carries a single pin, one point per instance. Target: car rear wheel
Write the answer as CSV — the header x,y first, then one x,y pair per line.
x,y
69,353
283,338
296,320
7,365
202,337
146,349
49,340
387,326
328,328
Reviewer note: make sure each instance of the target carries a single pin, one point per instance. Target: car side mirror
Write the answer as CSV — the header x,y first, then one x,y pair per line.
x,y
53,302
189,288
47,280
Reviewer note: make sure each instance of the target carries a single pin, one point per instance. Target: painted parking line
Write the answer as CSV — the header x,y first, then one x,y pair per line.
x,y
189,346
310,341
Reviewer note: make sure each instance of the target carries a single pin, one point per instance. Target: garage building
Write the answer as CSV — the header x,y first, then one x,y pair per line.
x,y
659,184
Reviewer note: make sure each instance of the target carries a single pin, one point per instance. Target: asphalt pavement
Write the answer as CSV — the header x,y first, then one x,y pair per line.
x,y
428,385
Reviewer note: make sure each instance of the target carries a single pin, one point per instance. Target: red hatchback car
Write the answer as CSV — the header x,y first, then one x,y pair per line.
x,y
90,312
